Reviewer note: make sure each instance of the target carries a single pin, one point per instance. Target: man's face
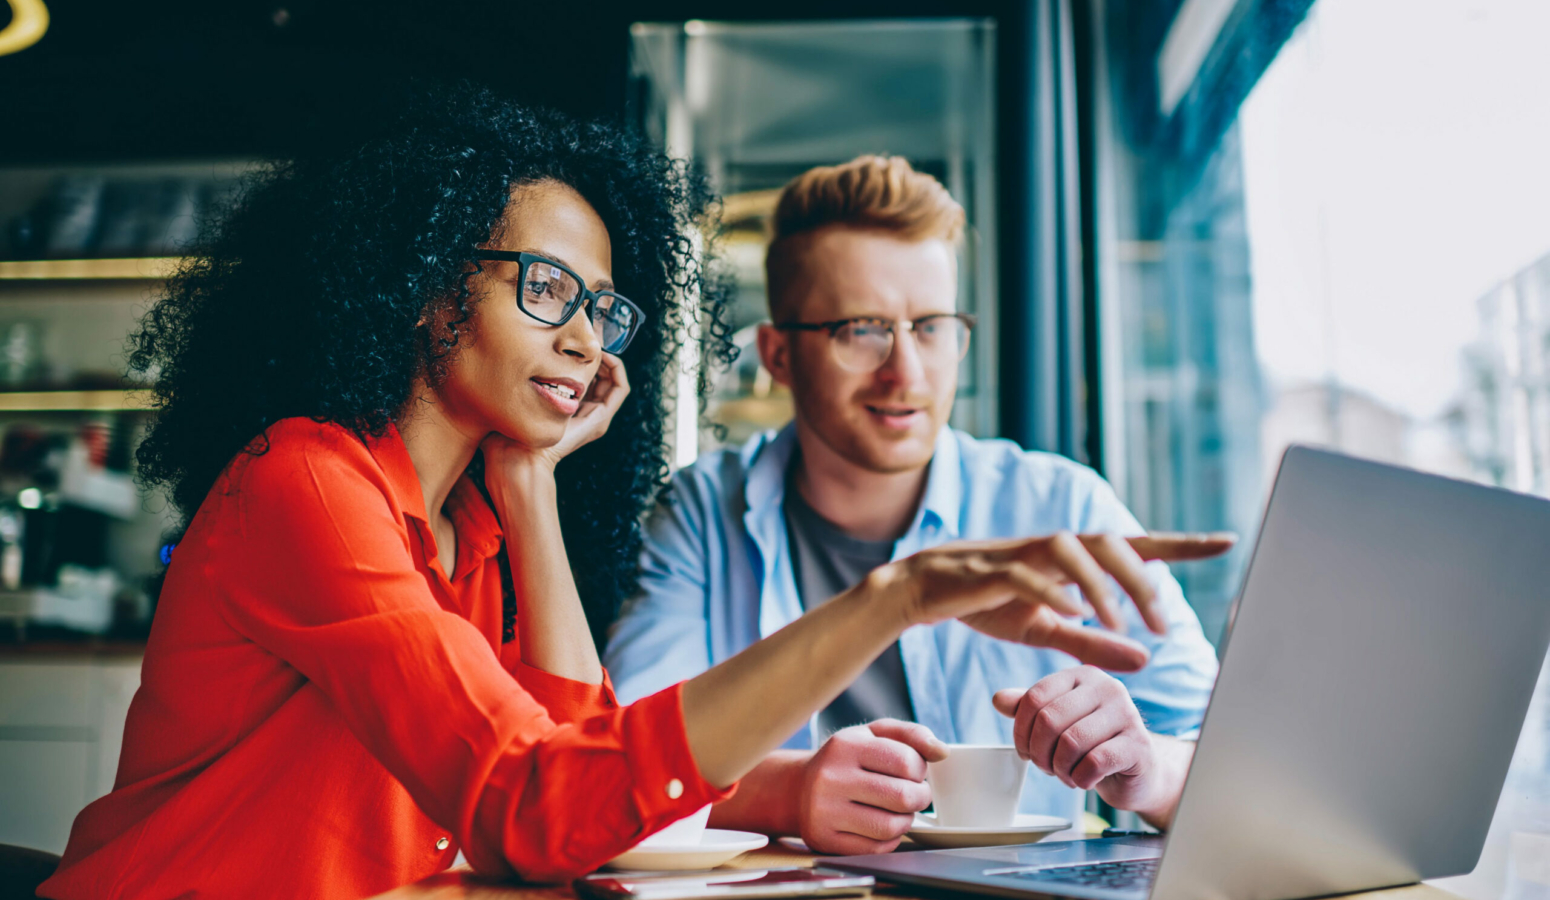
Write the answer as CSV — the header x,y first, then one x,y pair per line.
x,y
884,420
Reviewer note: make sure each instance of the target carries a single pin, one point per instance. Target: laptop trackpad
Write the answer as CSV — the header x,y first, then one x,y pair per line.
x,y
1061,853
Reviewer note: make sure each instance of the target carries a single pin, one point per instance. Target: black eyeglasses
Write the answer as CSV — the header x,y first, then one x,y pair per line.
x,y
551,293
863,344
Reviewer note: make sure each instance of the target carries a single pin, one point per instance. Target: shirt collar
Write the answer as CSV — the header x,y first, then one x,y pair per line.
x,y
943,500
393,456
767,459
478,529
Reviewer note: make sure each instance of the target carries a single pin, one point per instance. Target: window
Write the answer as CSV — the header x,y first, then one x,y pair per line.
x,y
757,104
1335,235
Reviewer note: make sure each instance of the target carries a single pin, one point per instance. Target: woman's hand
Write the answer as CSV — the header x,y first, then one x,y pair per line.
x,y
1016,589
598,407
520,479
602,401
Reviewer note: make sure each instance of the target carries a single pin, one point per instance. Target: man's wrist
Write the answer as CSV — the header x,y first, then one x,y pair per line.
x,y
1169,766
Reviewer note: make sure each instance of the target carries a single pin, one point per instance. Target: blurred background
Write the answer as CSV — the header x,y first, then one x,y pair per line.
x,y
1199,230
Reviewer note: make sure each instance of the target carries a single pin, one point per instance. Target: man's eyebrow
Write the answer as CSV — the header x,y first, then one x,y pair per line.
x,y
602,285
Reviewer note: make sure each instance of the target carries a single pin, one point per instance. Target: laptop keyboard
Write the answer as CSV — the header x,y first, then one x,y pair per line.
x,y
1115,876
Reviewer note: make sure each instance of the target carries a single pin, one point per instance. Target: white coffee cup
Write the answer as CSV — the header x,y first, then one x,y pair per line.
x,y
977,785
685,832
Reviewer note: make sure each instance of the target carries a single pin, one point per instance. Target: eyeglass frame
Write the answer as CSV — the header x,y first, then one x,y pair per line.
x,y
587,297
833,326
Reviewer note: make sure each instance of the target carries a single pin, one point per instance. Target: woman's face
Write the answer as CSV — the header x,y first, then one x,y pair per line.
x,y
514,374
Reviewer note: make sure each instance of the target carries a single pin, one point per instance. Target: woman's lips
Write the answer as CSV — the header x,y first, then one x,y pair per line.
x,y
564,393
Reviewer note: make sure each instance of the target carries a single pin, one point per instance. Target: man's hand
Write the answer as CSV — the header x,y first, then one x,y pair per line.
x,y
861,790
1081,726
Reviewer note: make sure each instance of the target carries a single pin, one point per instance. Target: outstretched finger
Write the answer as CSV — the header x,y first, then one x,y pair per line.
x,y
1166,545
1033,587
1116,555
1078,565
1090,645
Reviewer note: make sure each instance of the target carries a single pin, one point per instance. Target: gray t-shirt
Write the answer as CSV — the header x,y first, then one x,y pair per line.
x,y
826,561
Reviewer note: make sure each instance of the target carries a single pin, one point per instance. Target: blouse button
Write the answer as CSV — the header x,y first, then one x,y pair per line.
x,y
442,843
675,789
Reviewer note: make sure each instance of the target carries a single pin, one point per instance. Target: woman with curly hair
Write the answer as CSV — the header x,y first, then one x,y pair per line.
x,y
414,420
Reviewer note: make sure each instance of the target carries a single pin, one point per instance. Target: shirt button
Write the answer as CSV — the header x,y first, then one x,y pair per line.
x,y
675,789
442,843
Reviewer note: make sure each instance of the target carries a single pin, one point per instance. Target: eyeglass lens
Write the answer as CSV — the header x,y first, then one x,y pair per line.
x,y
864,345
549,293
613,320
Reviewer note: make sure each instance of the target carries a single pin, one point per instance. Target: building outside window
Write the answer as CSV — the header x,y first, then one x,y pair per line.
x,y
1329,229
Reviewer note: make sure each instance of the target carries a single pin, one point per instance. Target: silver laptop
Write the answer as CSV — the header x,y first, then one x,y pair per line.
x,y
1381,658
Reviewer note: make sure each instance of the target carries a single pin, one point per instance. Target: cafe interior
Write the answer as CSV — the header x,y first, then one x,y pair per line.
x,y
1196,232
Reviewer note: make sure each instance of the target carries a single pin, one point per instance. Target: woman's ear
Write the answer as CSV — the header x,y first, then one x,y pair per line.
x,y
441,334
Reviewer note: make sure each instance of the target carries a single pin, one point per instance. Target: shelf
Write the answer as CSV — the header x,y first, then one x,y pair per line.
x,y
765,412
74,401
84,647
149,268
755,205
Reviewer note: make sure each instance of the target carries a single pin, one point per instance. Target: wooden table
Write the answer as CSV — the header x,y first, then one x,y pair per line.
x,y
456,884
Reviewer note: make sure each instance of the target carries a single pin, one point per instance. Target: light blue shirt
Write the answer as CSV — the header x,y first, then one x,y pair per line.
x,y
716,576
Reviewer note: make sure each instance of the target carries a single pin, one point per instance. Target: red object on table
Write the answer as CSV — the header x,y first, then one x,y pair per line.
x,y
323,713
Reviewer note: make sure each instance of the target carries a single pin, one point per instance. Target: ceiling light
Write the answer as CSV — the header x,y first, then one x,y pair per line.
x,y
29,19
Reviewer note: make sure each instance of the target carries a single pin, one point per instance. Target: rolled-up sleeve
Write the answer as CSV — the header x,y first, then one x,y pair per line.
x,y
536,775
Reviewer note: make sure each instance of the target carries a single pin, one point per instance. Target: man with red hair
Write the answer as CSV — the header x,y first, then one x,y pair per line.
x,y
863,283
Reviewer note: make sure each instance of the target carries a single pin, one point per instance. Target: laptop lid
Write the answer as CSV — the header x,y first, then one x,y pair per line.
x,y
1381,658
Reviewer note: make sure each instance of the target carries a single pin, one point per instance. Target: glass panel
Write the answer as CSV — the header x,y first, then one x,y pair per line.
x,y
1359,258
758,104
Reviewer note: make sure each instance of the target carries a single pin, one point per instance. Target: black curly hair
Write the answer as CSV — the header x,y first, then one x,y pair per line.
x,y
309,298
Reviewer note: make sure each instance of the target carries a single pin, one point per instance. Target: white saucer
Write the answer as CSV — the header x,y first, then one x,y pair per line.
x,y
1025,830
714,848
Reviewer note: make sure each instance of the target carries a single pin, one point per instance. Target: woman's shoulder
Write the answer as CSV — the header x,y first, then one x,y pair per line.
x,y
303,448
303,481
300,433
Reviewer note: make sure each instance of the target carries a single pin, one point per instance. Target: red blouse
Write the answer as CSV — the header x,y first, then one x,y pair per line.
x,y
324,713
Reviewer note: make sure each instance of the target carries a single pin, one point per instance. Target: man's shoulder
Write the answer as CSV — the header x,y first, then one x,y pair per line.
x,y
1009,491
710,475
716,484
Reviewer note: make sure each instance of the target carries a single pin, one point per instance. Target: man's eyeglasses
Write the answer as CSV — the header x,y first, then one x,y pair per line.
x,y
864,344
551,293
